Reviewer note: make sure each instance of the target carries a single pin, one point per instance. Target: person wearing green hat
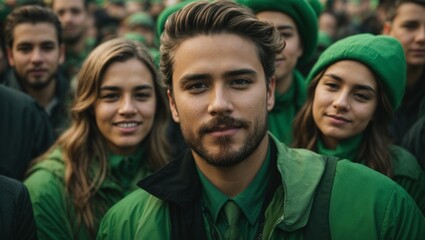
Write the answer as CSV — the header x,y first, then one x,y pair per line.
x,y
237,181
297,22
143,24
353,92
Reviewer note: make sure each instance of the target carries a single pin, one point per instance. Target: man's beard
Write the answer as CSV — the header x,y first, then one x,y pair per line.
x,y
72,40
37,85
226,157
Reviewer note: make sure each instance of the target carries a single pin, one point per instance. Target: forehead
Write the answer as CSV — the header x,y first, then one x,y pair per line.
x,y
214,55
127,73
67,4
345,68
34,33
276,18
410,11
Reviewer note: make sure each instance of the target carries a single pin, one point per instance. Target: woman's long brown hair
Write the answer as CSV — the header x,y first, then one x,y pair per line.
x,y
84,146
374,150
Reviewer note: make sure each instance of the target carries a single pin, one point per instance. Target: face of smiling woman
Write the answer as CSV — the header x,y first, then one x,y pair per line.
x,y
344,102
125,109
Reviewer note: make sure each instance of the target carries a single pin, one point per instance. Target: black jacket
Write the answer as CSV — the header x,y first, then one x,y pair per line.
x,y
16,215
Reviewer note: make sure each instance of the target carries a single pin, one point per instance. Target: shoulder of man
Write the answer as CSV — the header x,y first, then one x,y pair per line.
x,y
137,214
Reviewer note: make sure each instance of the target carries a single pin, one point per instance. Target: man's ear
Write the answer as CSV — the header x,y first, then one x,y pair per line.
x,y
62,53
173,108
386,28
10,56
270,93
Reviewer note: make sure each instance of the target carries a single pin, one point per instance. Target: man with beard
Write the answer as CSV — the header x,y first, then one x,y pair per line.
x,y
297,22
73,15
35,51
237,181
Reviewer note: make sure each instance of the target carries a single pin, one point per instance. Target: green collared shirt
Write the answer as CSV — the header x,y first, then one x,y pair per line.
x,y
129,169
250,201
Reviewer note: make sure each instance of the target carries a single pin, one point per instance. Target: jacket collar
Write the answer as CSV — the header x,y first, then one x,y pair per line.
x,y
300,171
177,182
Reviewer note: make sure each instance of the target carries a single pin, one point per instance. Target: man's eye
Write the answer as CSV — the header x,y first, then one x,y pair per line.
x,y
24,49
197,87
240,83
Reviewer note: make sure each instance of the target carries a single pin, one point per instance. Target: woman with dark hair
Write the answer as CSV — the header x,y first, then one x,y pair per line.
x,y
354,88
117,137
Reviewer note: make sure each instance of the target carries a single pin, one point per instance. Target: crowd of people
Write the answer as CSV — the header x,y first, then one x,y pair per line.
x,y
222,119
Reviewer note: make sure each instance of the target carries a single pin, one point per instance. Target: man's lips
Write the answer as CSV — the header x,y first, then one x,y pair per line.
x,y
220,132
39,70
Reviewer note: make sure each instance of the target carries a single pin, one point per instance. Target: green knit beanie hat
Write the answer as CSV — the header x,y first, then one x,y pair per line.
x,y
163,16
142,19
383,55
303,15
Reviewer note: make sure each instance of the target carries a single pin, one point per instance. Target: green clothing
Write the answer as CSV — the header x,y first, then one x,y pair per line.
x,y
214,200
414,141
364,204
408,174
286,107
406,170
53,209
74,60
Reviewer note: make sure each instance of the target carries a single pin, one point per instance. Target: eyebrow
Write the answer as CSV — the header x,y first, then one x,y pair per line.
x,y
23,43
204,76
116,88
356,86
285,27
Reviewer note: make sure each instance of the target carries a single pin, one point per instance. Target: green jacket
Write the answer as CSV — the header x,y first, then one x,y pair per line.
x,y
285,109
364,204
414,141
405,168
408,174
53,209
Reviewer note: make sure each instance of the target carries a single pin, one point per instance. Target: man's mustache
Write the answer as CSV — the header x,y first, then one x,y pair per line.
x,y
222,122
